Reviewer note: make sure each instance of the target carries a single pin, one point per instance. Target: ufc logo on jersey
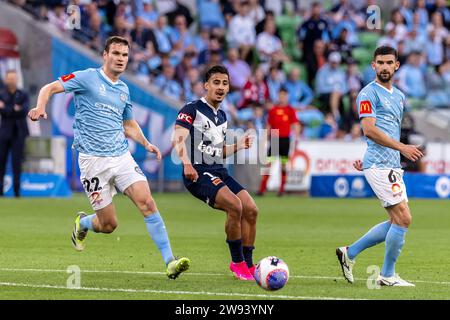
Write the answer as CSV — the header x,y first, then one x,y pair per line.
x,y
185,117
365,107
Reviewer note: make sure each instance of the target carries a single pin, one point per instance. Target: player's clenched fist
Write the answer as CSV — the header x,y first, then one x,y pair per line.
x,y
35,114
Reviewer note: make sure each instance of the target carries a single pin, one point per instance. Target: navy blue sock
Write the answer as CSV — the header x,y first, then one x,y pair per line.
x,y
248,255
236,250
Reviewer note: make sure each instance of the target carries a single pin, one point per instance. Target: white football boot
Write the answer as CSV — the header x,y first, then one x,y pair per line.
x,y
346,263
394,281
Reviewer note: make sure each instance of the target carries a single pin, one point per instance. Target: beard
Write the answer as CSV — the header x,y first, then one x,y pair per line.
x,y
384,76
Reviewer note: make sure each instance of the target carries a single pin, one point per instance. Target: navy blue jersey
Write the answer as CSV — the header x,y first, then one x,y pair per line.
x,y
207,132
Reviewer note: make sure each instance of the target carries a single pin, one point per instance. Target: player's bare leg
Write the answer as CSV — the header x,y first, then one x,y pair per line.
x,y
232,205
248,222
103,221
139,192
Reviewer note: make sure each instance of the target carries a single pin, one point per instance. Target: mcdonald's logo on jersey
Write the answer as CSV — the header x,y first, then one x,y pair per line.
x,y
67,77
365,107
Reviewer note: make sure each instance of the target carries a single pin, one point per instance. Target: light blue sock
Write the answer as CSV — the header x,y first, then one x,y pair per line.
x,y
374,236
157,230
86,222
395,239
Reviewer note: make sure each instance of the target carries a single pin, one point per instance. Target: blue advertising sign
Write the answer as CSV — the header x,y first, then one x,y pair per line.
x,y
39,185
356,186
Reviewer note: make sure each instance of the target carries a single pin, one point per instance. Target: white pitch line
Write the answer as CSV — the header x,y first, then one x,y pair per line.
x,y
199,274
267,296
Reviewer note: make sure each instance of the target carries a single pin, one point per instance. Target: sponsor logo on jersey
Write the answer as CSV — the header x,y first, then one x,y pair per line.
x,y
185,117
396,190
96,198
365,107
138,170
67,77
210,150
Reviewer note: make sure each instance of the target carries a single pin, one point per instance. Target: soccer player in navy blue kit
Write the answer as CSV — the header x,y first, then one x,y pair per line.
x,y
199,139
103,121
381,108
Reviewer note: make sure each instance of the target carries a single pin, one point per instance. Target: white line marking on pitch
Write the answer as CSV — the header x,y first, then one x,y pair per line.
x,y
47,286
199,274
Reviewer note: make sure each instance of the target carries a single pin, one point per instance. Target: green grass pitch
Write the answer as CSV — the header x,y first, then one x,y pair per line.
x,y
35,250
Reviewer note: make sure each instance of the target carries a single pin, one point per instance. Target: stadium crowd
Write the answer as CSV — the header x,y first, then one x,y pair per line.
x,y
320,53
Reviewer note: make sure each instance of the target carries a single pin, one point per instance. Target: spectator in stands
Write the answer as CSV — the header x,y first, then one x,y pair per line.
x,y
167,84
406,12
442,7
255,90
256,11
58,17
269,15
210,15
435,48
241,31
140,35
342,46
148,14
317,61
178,9
238,69
183,68
180,35
14,104
398,23
274,81
269,46
350,115
189,82
438,93
388,39
315,28
331,85
348,23
414,41
411,78
329,127
422,15
300,94
355,133
162,35
213,45
148,61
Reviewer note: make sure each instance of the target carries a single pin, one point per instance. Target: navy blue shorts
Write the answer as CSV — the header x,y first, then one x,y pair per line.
x,y
209,183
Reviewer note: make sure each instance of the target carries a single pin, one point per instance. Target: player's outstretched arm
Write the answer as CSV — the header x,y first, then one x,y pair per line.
x,y
134,132
244,142
179,137
44,95
411,152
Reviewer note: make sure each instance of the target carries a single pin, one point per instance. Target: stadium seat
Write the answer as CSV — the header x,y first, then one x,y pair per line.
x,y
369,40
362,55
287,26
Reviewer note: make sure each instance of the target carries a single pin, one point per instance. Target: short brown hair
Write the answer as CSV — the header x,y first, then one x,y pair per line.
x,y
116,39
385,50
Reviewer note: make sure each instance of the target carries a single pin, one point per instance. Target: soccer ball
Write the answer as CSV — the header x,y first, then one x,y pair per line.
x,y
271,273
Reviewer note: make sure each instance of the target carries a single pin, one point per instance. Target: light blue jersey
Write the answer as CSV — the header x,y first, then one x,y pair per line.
x,y
101,107
387,107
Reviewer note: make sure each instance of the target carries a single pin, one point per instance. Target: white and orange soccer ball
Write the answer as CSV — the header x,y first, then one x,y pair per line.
x,y
271,273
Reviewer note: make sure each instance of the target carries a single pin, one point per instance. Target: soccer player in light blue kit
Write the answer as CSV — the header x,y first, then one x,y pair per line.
x,y
381,108
103,121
